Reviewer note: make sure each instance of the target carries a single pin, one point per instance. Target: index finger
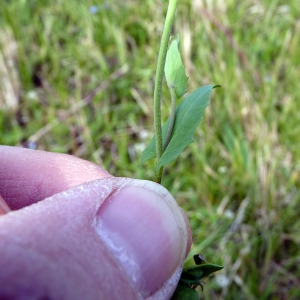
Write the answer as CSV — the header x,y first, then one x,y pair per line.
x,y
28,176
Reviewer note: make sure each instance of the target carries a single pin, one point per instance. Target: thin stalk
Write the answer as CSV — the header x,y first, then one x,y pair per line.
x,y
172,117
159,80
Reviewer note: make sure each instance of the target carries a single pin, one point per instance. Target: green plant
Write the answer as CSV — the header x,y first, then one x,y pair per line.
x,y
176,134
191,278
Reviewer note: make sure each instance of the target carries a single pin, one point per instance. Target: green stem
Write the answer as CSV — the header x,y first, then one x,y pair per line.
x,y
172,117
159,80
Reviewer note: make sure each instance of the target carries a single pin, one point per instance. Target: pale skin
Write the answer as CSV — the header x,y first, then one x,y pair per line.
x,y
70,230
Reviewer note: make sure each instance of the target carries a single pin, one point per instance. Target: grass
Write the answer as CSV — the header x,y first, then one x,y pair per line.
x,y
78,82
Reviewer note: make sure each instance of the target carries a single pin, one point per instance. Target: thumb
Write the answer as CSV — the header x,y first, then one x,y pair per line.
x,y
109,238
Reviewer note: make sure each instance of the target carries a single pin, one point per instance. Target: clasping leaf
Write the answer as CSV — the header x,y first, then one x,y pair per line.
x,y
175,71
189,114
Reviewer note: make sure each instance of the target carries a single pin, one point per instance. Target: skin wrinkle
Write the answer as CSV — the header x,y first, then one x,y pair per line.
x,y
38,255
29,247
77,267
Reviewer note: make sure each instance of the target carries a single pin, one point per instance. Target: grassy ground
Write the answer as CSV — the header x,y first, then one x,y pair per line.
x,y
78,78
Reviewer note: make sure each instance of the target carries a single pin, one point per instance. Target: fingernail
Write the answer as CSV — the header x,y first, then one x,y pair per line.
x,y
146,231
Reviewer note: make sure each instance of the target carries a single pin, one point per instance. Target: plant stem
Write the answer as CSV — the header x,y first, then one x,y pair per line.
x,y
159,80
172,117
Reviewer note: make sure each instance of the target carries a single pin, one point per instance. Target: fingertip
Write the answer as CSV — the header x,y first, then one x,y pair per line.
x,y
145,229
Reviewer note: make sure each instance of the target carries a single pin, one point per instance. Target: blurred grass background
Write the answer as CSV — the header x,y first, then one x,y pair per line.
x,y
77,78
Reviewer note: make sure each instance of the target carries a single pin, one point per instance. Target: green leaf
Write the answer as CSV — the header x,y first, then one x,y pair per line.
x,y
208,269
150,151
175,71
193,275
184,292
191,278
189,114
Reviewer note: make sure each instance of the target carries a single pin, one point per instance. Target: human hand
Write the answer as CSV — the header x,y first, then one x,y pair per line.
x,y
76,232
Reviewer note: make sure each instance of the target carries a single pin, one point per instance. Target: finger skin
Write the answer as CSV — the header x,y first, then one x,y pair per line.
x,y
28,176
4,208
51,249
57,259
